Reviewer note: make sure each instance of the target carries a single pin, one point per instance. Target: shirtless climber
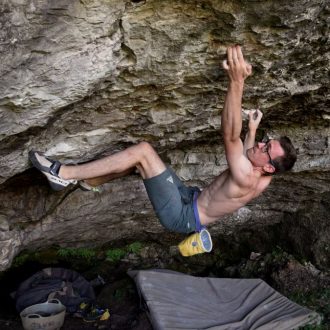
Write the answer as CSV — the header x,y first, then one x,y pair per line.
x,y
186,209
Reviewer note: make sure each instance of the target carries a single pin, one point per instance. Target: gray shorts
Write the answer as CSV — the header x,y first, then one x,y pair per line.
x,y
172,201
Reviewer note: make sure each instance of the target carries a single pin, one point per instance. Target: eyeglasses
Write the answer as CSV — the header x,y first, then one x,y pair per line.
x,y
266,140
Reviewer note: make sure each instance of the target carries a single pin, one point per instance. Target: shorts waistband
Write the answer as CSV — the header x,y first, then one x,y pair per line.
x,y
199,226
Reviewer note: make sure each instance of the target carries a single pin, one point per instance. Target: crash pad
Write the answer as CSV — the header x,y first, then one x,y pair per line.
x,y
179,301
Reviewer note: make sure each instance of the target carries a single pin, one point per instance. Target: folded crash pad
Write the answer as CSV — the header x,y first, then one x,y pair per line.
x,y
178,301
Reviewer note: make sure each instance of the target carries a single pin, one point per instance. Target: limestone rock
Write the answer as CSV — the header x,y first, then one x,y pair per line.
x,y
83,79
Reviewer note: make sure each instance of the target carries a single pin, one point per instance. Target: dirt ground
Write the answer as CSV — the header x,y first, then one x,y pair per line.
x,y
119,297
141,322
125,313
301,282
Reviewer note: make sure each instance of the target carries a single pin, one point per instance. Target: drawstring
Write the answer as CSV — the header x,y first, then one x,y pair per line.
x,y
199,227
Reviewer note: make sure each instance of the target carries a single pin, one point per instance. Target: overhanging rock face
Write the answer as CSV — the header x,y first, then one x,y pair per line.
x,y
82,79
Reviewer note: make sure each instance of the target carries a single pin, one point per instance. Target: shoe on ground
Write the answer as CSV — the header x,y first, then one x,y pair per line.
x,y
50,169
96,313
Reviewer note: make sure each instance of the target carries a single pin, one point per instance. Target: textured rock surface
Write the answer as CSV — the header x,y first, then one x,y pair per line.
x,y
82,79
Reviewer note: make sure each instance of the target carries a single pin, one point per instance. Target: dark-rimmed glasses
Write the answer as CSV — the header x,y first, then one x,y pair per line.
x,y
264,149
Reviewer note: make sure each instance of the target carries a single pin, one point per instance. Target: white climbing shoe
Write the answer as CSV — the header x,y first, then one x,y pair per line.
x,y
50,169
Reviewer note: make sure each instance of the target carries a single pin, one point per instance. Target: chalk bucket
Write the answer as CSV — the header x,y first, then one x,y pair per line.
x,y
196,243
